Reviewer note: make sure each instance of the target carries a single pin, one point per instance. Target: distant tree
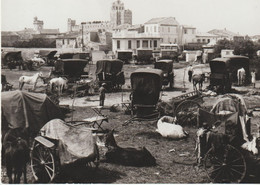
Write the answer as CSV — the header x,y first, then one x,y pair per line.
x,y
244,47
222,44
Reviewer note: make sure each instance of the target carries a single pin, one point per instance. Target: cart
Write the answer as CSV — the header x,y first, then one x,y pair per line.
x,y
167,67
224,72
75,70
110,72
12,59
222,140
146,86
48,56
60,144
185,108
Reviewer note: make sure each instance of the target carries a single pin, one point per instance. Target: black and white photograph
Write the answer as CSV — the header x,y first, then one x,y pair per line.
x,y
130,91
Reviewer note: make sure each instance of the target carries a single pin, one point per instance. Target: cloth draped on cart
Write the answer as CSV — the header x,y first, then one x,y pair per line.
x,y
75,143
21,109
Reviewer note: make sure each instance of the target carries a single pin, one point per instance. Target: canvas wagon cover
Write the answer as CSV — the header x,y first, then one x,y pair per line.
x,y
74,142
47,53
13,55
146,86
25,109
109,66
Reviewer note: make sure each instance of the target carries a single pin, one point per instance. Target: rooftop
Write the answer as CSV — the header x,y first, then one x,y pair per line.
x,y
163,20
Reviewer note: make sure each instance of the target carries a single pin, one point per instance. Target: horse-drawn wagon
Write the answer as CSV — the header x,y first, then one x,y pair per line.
x,y
144,56
224,71
48,56
76,73
225,145
56,143
167,67
125,55
110,72
12,59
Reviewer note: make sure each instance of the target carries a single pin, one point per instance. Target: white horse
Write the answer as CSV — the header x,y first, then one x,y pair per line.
x,y
29,80
241,75
38,61
60,83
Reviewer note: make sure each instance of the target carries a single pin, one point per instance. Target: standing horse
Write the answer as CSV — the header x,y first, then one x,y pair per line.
x,y
60,83
241,75
29,80
16,153
198,79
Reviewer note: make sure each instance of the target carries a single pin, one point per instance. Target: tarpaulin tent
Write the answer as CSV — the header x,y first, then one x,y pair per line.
x,y
11,56
22,109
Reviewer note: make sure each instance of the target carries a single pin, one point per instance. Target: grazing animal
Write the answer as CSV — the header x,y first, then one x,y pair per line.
x,y
167,128
29,80
16,153
198,79
127,156
60,83
241,76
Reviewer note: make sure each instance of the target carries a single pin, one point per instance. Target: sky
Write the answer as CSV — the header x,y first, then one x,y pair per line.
x,y
238,16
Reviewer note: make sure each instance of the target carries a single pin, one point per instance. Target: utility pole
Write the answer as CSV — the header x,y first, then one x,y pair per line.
x,y
82,40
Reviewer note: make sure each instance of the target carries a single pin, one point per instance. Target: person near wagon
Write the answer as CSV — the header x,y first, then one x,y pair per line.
x,y
102,94
190,72
253,78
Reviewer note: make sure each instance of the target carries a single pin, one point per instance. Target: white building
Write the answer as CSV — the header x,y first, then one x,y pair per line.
x,y
166,27
118,14
187,34
132,40
206,38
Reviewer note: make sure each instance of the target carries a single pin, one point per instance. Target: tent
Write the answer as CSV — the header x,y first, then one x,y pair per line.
x,y
22,109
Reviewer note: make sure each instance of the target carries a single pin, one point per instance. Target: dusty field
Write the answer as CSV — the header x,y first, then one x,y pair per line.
x,y
178,166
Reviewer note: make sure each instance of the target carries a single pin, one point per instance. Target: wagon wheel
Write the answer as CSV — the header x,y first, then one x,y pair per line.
x,y
186,113
42,163
227,166
95,162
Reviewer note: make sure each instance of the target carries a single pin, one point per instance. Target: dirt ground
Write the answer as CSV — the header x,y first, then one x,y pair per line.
x,y
176,161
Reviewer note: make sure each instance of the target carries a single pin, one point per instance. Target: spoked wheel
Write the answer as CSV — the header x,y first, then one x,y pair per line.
x,y
186,113
225,166
42,163
95,162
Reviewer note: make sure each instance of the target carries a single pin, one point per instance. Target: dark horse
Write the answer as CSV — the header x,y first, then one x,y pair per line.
x,y
127,156
198,79
16,153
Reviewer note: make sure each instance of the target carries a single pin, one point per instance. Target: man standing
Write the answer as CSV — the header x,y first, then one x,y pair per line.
x,y
102,91
190,72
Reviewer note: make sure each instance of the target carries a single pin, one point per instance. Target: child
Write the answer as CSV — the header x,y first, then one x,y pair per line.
x,y
253,78
102,91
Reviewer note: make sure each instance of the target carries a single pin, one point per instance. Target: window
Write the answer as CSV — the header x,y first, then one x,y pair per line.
x,y
129,44
138,44
203,40
185,31
118,44
198,40
62,41
146,28
155,43
175,41
151,43
208,40
155,29
145,43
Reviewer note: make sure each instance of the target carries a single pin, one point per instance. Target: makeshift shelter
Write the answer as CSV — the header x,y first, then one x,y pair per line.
x,y
22,109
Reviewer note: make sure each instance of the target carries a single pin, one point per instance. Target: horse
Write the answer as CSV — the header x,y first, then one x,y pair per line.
x,y
16,153
241,75
60,83
127,156
29,80
198,79
38,61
